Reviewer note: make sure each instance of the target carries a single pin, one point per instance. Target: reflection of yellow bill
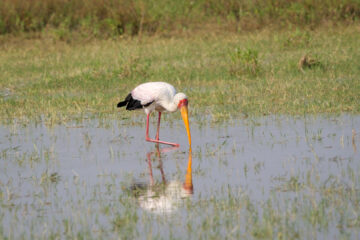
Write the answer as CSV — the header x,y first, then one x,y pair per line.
x,y
188,185
184,114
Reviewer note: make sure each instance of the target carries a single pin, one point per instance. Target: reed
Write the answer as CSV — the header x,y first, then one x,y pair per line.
x,y
101,19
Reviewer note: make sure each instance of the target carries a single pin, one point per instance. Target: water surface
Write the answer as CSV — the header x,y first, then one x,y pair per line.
x,y
103,180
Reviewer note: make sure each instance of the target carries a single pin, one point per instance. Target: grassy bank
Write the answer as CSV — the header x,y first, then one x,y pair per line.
x,y
102,19
224,75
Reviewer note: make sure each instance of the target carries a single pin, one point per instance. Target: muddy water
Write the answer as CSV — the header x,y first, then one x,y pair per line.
x,y
71,178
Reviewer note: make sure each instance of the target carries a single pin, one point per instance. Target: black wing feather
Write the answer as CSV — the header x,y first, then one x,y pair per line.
x,y
131,103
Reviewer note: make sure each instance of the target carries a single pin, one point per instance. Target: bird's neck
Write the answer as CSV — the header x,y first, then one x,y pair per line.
x,y
170,106
171,103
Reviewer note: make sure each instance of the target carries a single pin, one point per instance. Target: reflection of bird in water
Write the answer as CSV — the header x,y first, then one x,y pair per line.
x,y
159,96
163,197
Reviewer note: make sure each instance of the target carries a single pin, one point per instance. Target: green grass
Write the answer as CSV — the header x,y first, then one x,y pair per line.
x,y
224,75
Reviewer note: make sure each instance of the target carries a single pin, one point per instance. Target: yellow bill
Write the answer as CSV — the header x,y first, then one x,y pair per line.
x,y
184,114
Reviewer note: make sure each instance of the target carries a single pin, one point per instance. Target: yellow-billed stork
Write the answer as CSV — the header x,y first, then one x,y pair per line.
x,y
159,96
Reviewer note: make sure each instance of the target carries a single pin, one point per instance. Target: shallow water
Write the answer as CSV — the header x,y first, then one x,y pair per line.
x,y
94,178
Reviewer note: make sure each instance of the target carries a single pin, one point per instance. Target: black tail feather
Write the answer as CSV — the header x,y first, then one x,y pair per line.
x,y
125,102
121,104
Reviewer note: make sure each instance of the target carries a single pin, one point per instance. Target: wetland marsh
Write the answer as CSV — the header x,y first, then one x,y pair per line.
x,y
275,129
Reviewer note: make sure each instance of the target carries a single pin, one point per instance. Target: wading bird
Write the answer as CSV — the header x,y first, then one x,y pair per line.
x,y
159,96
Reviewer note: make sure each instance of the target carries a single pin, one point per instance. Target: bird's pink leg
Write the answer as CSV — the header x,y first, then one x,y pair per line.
x,y
147,138
158,128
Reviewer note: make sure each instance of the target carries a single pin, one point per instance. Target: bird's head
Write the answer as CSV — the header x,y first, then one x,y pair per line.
x,y
181,101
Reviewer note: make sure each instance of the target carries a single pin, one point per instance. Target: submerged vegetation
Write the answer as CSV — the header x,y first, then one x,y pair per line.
x,y
270,178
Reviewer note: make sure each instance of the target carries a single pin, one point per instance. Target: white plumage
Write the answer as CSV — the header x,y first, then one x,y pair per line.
x,y
159,96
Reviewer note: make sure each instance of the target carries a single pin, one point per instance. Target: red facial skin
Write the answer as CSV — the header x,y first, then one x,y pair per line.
x,y
182,103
